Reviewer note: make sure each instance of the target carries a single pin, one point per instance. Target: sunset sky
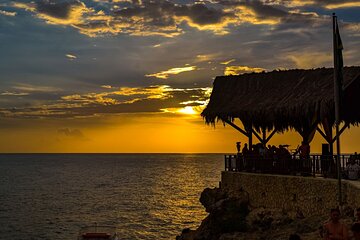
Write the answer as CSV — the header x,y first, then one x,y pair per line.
x,y
134,75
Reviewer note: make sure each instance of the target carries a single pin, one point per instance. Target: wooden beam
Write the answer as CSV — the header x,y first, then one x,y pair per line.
x,y
257,136
341,131
329,134
314,126
250,138
323,134
307,132
270,136
236,127
263,135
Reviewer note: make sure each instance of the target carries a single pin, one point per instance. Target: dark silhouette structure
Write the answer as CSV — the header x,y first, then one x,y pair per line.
x,y
271,102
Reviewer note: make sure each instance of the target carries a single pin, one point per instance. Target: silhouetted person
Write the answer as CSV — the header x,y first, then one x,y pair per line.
x,y
245,149
304,150
238,146
283,153
261,149
304,154
353,170
271,150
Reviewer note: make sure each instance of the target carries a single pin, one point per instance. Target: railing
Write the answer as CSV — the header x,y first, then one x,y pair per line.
x,y
323,165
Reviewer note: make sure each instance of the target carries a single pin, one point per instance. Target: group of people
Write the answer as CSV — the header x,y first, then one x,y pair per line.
x,y
271,150
273,159
263,151
259,151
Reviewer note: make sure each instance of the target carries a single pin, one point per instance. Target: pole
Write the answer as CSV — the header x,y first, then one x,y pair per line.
x,y
263,136
250,132
337,104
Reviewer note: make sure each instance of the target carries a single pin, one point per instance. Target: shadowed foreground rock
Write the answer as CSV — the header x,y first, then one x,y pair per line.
x,y
232,217
226,215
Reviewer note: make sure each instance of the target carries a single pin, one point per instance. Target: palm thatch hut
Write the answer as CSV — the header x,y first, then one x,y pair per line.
x,y
281,100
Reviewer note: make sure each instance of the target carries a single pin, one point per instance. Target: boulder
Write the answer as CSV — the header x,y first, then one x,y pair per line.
x,y
210,196
226,216
264,219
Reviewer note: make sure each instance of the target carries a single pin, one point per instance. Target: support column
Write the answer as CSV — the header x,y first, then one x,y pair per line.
x,y
263,136
328,134
327,137
250,138
249,130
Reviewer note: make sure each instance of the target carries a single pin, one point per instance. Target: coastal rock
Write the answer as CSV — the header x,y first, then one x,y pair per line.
x,y
232,236
263,219
227,214
210,198
186,234
231,217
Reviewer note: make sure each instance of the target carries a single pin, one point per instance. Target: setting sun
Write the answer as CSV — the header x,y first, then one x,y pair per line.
x,y
188,110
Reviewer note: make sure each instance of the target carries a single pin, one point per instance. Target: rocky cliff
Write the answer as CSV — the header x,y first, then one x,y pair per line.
x,y
231,216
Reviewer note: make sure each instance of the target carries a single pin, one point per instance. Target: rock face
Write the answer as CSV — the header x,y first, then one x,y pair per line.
x,y
210,198
226,214
231,217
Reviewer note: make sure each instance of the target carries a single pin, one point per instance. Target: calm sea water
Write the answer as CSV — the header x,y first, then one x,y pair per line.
x,y
146,196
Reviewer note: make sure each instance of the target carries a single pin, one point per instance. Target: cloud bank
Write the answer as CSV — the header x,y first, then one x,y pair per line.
x,y
170,18
153,99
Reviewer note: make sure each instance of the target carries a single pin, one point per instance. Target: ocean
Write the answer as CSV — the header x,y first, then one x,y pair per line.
x,y
146,196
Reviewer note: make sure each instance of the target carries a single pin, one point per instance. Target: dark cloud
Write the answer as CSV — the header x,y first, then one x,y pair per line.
x,y
259,7
57,9
165,17
72,133
265,11
201,14
163,13
154,13
269,10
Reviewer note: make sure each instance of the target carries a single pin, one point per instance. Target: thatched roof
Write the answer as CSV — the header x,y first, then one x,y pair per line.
x,y
283,99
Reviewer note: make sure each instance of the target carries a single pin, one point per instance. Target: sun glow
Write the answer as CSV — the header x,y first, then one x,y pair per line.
x,y
187,110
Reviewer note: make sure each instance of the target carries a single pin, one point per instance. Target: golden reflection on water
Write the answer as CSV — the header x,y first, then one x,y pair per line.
x,y
183,184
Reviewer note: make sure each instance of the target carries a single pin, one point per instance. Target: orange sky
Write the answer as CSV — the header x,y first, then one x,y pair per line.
x,y
133,76
145,133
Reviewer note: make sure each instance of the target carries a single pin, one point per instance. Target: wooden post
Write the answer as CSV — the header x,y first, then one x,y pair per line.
x,y
263,136
270,136
249,134
250,139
